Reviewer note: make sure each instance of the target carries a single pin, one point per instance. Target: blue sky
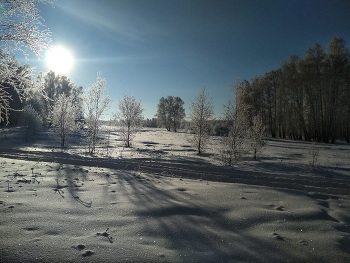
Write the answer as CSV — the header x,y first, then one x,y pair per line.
x,y
155,48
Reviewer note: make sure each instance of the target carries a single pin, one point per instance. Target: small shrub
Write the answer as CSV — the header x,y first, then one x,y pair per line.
x,y
314,152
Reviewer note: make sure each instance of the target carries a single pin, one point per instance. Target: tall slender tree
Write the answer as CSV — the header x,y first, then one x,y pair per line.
x,y
163,116
201,112
256,134
237,117
96,103
63,116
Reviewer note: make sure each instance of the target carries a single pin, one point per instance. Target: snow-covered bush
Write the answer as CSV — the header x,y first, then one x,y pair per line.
x,y
314,152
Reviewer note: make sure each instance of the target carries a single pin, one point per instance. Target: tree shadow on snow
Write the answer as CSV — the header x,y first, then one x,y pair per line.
x,y
198,233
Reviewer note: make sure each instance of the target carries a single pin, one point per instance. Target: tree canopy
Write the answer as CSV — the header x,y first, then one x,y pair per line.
x,y
170,112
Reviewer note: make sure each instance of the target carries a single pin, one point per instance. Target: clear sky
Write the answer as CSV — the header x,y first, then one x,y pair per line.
x,y
155,48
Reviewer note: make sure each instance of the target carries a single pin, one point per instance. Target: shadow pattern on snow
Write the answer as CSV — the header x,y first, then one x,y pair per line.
x,y
305,182
206,233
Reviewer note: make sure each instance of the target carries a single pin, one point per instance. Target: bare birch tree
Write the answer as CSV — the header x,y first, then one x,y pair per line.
x,y
63,117
96,103
130,118
21,28
256,134
237,119
202,111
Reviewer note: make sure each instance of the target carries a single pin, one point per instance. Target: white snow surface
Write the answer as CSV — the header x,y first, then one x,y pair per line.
x,y
160,202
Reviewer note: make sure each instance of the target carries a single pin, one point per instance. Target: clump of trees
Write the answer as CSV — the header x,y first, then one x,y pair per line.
x,y
202,112
54,85
151,123
307,97
170,113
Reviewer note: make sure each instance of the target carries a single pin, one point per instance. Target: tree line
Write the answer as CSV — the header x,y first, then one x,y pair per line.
x,y
307,97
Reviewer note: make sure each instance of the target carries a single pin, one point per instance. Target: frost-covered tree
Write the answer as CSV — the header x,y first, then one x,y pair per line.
x,y
53,86
177,112
108,129
256,134
130,118
170,112
96,103
236,116
163,116
202,111
63,117
21,28
31,120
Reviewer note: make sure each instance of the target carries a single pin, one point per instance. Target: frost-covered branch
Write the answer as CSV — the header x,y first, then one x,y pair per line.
x,y
21,29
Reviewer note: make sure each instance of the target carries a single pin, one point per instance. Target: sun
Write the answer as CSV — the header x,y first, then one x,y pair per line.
x,y
59,60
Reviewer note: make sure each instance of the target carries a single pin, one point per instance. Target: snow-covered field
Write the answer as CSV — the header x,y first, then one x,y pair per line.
x,y
160,202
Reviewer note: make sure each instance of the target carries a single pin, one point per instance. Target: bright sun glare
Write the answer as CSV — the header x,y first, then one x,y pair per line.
x,y
59,60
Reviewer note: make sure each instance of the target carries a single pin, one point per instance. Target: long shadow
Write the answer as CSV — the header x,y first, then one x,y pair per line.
x,y
73,179
284,167
195,232
202,233
337,184
297,144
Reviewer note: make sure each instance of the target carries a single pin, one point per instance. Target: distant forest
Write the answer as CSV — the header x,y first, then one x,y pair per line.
x,y
307,97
